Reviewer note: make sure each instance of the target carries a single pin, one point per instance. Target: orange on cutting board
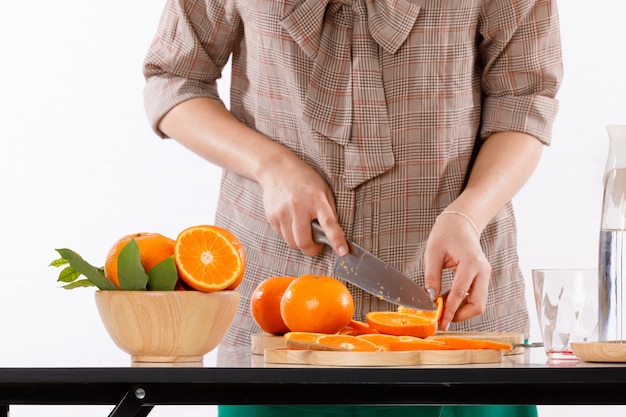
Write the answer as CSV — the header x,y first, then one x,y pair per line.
x,y
416,323
153,249
322,341
209,258
434,315
416,343
460,343
379,339
316,303
358,327
347,342
265,304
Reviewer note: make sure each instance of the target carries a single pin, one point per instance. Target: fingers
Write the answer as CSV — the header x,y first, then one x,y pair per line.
x,y
468,295
432,276
293,199
292,220
334,233
298,234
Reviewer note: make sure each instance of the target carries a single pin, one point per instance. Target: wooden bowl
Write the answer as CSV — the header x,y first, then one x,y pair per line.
x,y
167,326
600,351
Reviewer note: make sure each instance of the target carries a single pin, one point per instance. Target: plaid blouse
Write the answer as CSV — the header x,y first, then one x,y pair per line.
x,y
387,99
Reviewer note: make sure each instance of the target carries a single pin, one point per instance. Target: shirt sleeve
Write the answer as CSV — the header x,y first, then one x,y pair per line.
x,y
192,45
520,49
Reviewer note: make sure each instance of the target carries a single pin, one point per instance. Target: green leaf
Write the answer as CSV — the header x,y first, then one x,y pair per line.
x,y
68,275
163,276
79,284
93,274
130,272
59,262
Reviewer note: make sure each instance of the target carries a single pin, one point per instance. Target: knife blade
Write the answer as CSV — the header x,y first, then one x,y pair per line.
x,y
375,276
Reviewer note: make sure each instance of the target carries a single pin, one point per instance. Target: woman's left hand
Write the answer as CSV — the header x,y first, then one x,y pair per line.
x,y
453,244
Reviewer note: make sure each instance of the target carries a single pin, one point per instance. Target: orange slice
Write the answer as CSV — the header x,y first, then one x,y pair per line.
x,y
360,327
301,336
303,340
323,341
416,343
382,340
347,342
209,258
399,324
433,315
460,343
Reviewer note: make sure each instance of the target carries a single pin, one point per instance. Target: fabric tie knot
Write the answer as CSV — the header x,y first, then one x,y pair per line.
x,y
345,100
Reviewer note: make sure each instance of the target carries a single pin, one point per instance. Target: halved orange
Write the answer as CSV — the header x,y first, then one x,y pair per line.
x,y
399,324
209,258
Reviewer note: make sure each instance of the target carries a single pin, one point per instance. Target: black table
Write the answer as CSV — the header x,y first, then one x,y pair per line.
x,y
241,378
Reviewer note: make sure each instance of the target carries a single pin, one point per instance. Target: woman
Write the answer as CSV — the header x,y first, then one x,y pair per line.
x,y
406,126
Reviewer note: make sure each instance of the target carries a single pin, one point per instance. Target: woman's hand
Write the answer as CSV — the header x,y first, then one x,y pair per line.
x,y
454,244
503,165
294,195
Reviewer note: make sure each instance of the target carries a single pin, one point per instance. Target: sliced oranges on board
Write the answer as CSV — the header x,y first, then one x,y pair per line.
x,y
434,315
460,343
322,341
406,322
382,340
358,327
385,342
405,343
347,342
209,258
392,322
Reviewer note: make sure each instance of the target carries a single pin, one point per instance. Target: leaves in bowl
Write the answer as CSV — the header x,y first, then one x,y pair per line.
x,y
132,276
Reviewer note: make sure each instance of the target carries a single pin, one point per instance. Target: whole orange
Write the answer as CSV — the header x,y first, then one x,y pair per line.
x,y
265,304
153,249
316,303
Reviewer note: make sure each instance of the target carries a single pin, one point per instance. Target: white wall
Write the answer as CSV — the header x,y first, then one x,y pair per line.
x,y
79,166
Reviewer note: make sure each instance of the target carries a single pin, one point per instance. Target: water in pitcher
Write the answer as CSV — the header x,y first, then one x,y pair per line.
x,y
611,289
612,258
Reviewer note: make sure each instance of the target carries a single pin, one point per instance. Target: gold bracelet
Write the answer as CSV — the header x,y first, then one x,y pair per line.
x,y
458,213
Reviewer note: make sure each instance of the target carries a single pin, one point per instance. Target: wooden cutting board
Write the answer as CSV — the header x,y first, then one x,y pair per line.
x,y
263,341
412,358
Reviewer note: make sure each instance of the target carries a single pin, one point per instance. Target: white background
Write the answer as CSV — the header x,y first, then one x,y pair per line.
x,y
79,167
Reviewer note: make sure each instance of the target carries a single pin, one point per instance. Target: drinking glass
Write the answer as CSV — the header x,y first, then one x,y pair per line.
x,y
567,308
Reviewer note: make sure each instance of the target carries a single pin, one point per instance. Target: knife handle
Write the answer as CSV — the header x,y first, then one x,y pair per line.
x,y
318,233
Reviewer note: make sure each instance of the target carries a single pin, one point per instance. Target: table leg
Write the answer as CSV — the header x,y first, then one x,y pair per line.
x,y
4,410
132,405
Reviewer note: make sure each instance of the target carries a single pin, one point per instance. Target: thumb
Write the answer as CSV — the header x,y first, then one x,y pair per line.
x,y
432,277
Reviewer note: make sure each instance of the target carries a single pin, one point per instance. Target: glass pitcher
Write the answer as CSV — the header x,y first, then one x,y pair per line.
x,y
612,253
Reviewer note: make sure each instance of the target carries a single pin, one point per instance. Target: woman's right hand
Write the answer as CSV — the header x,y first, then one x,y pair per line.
x,y
294,195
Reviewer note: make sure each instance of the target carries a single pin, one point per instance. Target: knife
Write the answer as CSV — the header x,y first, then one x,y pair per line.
x,y
378,278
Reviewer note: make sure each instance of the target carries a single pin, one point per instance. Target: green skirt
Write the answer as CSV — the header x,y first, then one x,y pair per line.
x,y
383,411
